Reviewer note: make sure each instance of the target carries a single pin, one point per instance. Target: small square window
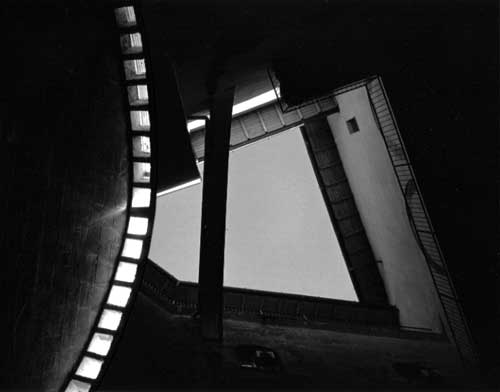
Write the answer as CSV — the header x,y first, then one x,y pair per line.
x,y
142,172
141,197
140,120
119,295
89,367
125,16
100,343
132,248
134,69
138,95
141,146
352,125
110,319
131,43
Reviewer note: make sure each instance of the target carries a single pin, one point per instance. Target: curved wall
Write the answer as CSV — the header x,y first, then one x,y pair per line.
x,y
64,191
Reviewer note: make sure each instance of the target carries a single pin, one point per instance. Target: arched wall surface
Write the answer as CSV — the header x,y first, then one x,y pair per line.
x,y
64,192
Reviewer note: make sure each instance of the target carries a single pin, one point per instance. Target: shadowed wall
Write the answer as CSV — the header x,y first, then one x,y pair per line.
x,y
64,191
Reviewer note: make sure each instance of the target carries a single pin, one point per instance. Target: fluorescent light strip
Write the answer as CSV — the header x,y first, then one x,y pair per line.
x,y
179,187
252,103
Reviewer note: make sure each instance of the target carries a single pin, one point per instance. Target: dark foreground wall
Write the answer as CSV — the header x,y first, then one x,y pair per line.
x,y
162,350
64,184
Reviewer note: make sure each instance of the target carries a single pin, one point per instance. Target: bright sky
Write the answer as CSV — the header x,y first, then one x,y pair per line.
x,y
278,233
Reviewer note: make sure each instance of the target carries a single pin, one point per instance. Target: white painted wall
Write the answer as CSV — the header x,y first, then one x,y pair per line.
x,y
279,236
381,205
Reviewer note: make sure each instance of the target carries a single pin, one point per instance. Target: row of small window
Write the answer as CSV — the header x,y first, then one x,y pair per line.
x,y
120,292
119,296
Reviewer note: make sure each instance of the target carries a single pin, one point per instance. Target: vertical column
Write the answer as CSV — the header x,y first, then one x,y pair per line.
x,y
213,215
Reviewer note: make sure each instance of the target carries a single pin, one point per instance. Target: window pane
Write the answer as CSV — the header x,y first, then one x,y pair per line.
x,y
89,367
100,343
119,295
110,319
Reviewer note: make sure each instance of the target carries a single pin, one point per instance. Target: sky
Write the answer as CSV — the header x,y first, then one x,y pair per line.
x,y
279,236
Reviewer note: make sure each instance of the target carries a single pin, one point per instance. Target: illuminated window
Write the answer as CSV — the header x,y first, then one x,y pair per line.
x,y
125,16
78,386
137,225
89,367
131,43
139,120
110,319
134,69
142,172
100,343
132,248
141,197
126,272
141,146
119,295
138,94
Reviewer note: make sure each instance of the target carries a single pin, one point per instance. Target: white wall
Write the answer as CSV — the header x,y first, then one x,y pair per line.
x,y
279,236
382,209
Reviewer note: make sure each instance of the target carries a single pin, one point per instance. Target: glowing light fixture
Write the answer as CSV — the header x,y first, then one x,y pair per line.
x,y
179,187
89,367
141,197
252,103
77,386
132,248
142,172
100,343
195,124
137,225
125,16
119,295
110,319
140,120
126,272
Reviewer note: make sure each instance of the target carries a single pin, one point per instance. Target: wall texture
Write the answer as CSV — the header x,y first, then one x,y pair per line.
x,y
383,212
162,350
64,191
